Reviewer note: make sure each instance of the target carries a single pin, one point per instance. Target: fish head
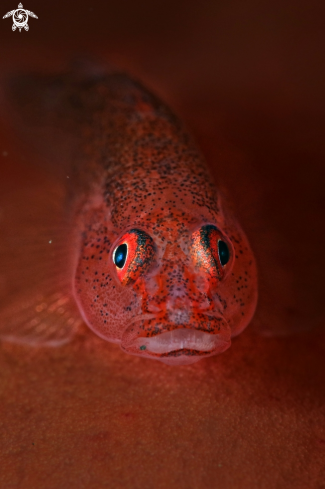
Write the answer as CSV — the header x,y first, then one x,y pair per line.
x,y
175,285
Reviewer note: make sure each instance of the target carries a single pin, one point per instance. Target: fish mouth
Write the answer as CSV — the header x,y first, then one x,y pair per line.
x,y
176,344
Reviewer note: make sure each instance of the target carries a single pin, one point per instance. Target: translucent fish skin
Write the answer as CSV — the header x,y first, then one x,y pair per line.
x,y
137,178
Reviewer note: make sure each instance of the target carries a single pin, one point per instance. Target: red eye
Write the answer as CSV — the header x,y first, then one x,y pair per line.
x,y
133,255
210,251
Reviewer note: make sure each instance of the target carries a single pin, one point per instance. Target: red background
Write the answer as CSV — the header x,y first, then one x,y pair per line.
x,y
248,79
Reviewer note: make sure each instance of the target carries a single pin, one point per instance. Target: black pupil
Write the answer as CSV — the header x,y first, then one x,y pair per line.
x,y
120,255
223,252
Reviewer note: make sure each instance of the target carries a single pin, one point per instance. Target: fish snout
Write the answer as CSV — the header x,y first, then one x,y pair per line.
x,y
176,290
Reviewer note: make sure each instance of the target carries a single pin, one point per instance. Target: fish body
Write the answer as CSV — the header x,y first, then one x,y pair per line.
x,y
155,261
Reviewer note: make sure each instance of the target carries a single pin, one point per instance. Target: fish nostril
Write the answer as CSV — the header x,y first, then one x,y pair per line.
x,y
152,286
178,299
151,307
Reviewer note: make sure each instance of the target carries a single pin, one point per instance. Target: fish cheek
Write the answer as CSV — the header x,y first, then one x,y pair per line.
x,y
106,306
238,293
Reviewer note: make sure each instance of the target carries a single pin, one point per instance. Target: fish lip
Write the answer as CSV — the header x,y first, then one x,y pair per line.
x,y
170,342
182,341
